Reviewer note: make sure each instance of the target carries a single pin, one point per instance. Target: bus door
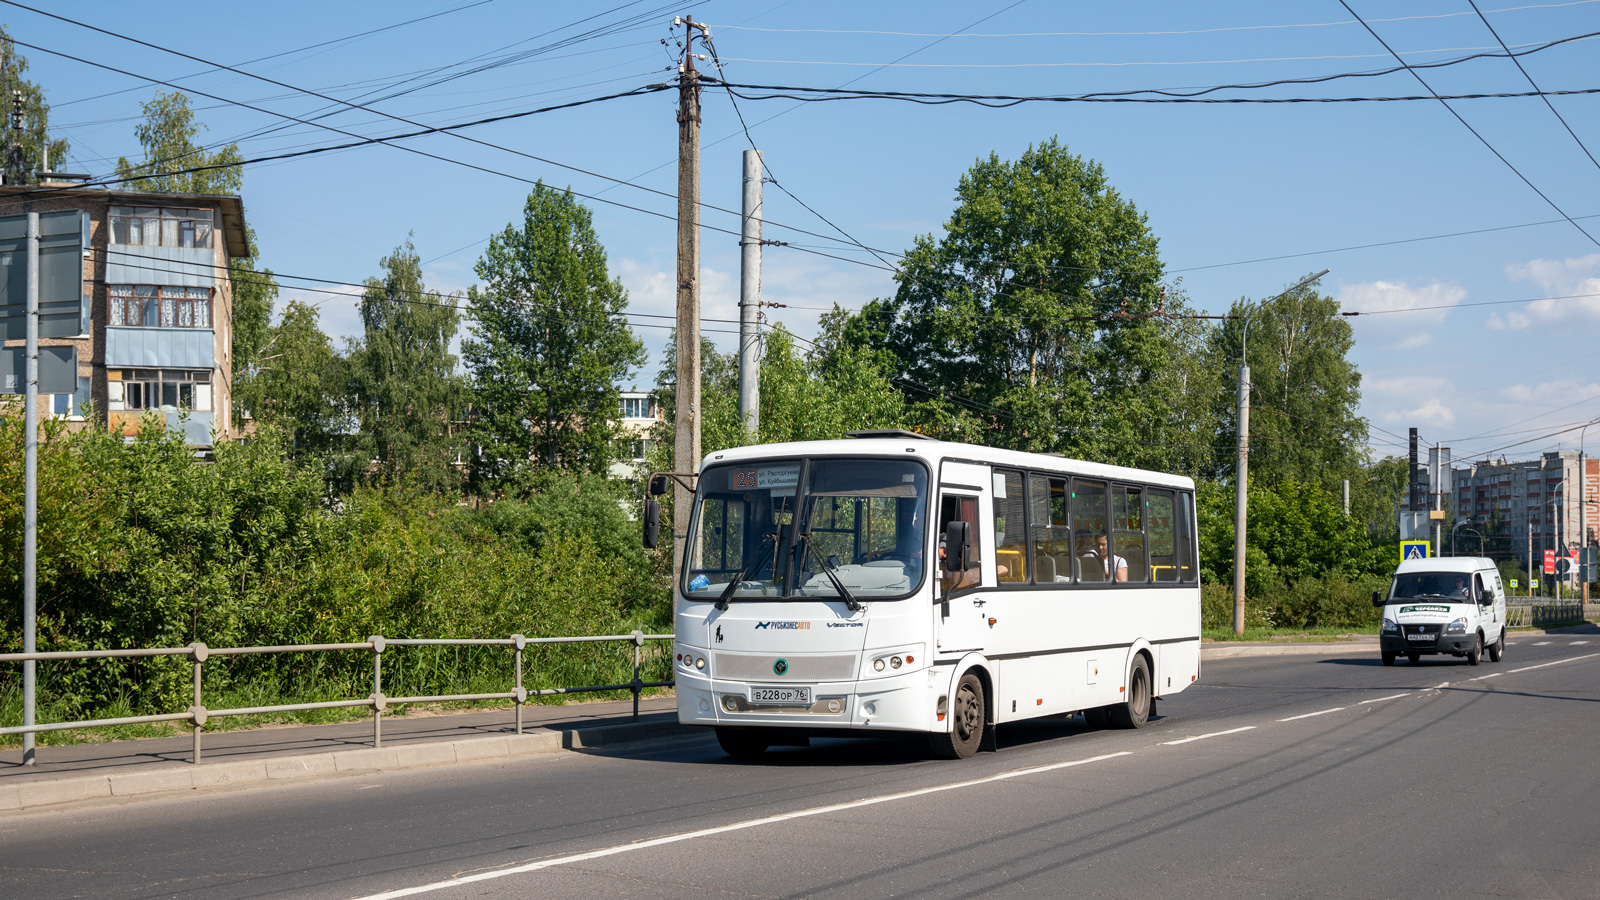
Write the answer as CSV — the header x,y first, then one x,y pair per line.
x,y
960,618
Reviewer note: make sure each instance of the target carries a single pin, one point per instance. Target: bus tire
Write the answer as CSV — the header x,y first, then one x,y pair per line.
x,y
968,717
1097,718
743,743
1135,711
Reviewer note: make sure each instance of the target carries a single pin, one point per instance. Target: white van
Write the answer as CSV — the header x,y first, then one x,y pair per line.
x,y
1452,605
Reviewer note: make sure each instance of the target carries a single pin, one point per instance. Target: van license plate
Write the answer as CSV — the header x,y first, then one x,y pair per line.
x,y
780,696
1419,637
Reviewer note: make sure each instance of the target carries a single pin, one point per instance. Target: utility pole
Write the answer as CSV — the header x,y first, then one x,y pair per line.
x,y
686,432
750,296
30,514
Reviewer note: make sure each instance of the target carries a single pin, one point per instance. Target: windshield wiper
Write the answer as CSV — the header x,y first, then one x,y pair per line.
x,y
850,601
769,542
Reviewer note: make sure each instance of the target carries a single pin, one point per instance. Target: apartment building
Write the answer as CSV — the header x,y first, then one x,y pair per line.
x,y
639,415
155,333
1534,505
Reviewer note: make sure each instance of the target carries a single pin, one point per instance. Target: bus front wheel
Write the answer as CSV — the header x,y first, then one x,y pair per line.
x,y
967,719
1136,710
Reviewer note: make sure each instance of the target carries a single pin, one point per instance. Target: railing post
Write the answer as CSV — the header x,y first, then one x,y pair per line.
x,y
378,703
197,654
638,662
518,642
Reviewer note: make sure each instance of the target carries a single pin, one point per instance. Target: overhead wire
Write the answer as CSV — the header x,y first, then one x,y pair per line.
x,y
1547,103
1458,117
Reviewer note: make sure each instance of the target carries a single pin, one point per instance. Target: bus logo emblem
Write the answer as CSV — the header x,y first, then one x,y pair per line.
x,y
781,667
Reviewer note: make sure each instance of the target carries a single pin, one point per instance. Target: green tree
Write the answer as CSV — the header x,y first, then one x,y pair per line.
x,y
1304,391
403,385
549,343
30,156
173,162
296,386
1041,311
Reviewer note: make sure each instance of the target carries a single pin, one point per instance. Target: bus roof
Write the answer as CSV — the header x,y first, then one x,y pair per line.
x,y
938,451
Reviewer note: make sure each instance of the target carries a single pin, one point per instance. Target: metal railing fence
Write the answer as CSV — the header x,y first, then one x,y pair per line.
x,y
1528,611
197,714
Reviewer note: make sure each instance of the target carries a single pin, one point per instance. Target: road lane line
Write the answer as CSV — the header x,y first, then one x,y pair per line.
x,y
1201,737
1542,643
1556,663
1440,687
724,829
1309,715
1381,699
1491,675
1574,643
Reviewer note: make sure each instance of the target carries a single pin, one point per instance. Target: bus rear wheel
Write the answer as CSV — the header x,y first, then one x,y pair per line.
x,y
1135,711
967,719
743,743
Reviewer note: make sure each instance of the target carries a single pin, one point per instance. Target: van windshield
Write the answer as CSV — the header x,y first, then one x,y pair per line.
x,y
1453,586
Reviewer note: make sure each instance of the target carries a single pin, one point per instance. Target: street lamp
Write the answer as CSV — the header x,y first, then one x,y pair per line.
x,y
1453,528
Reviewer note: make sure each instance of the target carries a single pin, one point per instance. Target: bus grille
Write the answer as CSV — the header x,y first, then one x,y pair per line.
x,y
759,667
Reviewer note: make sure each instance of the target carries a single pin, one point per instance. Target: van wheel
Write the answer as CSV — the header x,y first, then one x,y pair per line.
x,y
1475,655
1388,658
1414,658
1136,711
1498,648
743,743
967,715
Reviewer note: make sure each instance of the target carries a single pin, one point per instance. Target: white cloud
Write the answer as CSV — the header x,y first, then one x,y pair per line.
x,y
1572,287
1432,303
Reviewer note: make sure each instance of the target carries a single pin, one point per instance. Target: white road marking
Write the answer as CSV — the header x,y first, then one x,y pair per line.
x,y
1577,643
1201,737
1542,643
1556,663
1309,715
1381,699
1440,687
1491,675
724,829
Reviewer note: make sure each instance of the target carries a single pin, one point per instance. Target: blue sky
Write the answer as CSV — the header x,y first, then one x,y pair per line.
x,y
1477,323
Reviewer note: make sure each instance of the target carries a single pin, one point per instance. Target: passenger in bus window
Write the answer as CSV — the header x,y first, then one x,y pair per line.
x,y
1113,567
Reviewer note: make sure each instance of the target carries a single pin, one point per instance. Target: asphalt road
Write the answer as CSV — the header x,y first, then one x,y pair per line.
x,y
1295,776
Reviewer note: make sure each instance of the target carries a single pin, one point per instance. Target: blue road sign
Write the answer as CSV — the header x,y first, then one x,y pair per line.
x,y
1413,550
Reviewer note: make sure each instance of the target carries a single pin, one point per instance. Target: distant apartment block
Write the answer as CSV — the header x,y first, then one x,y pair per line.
x,y
1538,503
156,334
639,415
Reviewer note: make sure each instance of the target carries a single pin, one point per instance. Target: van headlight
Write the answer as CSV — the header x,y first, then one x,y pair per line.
x,y
1459,626
1389,627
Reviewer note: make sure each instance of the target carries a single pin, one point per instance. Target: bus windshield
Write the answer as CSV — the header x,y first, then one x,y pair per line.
x,y
805,529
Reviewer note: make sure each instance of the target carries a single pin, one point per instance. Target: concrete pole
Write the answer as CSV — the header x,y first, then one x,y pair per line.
x,y
30,503
686,434
1241,498
750,297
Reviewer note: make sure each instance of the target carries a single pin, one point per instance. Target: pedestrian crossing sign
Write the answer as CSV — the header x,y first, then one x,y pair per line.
x,y
1413,550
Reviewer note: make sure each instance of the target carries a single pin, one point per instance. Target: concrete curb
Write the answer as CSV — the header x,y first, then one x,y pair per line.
x,y
1233,651
189,777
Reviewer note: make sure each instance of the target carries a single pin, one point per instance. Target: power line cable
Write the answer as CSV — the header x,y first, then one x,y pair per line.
x,y
1547,103
1468,126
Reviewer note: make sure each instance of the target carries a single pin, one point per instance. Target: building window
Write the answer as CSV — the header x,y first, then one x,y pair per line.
x,y
164,389
638,408
157,227
152,306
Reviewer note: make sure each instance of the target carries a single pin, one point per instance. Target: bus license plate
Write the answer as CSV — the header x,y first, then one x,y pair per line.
x,y
780,696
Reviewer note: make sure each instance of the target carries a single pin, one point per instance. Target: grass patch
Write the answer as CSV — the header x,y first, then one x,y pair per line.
x,y
1285,635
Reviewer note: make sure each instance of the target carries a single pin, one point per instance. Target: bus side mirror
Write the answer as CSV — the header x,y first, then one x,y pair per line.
x,y
659,484
957,541
652,523
1377,598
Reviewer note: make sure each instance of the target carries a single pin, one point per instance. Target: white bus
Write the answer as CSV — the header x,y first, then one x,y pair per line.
x,y
814,601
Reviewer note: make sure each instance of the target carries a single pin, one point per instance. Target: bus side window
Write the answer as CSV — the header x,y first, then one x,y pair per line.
x,y
1010,528
1188,572
1128,518
1159,523
1089,522
1049,538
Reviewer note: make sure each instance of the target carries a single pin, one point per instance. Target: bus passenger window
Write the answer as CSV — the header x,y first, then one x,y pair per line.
x,y
1188,573
1159,529
1050,539
1128,517
1010,531
1091,549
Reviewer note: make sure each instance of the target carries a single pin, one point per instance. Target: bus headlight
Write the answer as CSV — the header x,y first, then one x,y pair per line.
x,y
877,665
